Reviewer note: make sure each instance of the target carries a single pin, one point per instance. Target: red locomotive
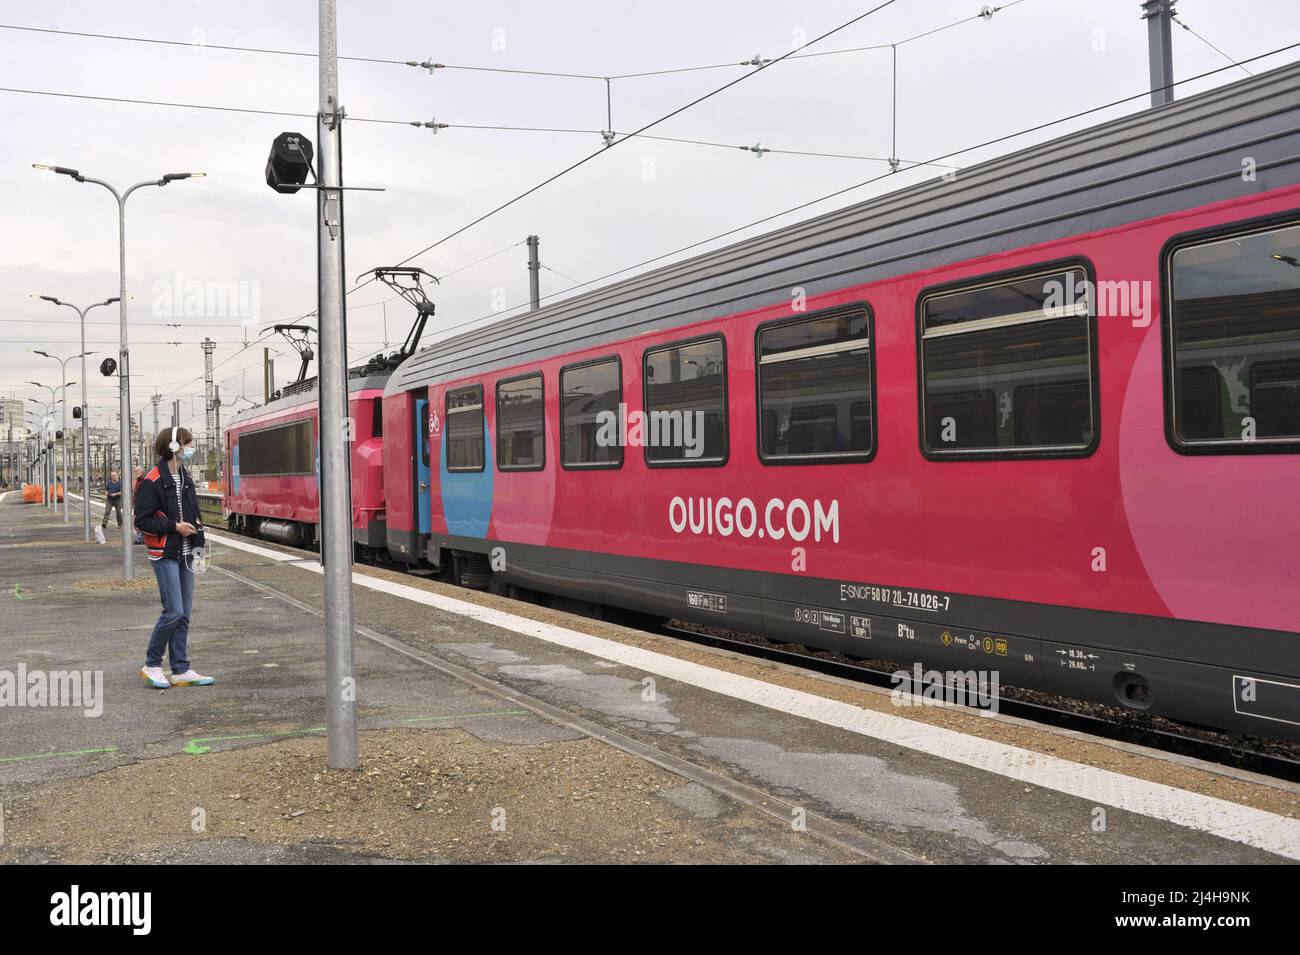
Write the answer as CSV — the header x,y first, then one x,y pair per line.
x,y
273,463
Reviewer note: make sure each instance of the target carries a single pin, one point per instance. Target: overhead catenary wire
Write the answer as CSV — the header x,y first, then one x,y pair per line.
x,y
859,185
430,65
116,324
699,99
469,126
567,278
261,339
470,265
1198,36
608,134
192,44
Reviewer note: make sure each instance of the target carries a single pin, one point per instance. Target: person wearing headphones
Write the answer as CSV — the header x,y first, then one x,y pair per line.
x,y
167,513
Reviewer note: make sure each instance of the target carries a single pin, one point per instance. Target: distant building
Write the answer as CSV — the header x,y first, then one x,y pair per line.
x,y
12,434
11,419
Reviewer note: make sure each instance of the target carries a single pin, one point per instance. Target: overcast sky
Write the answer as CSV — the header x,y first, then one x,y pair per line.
x,y
1034,62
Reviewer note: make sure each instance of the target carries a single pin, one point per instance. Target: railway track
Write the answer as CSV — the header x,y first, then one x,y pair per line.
x,y
1194,743
210,508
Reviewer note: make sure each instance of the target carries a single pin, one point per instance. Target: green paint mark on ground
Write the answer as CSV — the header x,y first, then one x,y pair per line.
x,y
73,752
194,749
466,716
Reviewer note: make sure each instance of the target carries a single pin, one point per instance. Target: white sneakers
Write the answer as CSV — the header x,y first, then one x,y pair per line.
x,y
190,678
155,678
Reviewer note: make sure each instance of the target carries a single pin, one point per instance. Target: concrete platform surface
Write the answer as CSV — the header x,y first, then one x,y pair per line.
x,y
500,731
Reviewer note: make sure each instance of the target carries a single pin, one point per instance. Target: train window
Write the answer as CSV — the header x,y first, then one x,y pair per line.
x,y
521,424
424,439
1234,337
686,403
465,429
283,449
1007,367
815,388
589,400
377,420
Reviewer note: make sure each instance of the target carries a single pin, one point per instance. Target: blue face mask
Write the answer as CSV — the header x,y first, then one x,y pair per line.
x,y
187,454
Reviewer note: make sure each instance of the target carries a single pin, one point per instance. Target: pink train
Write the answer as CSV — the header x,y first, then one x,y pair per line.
x,y
1038,417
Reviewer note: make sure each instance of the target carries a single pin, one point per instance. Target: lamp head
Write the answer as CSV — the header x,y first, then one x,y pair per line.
x,y
61,170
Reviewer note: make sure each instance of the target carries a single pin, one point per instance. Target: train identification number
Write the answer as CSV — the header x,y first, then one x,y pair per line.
x,y
896,597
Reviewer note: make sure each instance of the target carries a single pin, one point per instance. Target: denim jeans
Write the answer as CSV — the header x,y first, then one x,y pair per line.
x,y
172,631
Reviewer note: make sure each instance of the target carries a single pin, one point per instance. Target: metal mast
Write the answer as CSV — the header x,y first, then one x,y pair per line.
x,y
335,447
210,428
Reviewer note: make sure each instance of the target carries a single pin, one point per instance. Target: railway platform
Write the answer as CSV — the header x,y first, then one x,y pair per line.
x,y
493,730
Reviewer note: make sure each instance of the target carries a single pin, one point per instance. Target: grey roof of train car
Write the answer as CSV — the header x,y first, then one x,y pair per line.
x,y
276,405
1157,161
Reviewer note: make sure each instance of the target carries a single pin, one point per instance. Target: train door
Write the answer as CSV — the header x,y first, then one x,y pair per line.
x,y
233,476
421,427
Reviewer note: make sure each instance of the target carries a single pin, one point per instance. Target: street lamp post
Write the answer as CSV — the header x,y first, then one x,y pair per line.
x,y
52,479
85,408
124,356
63,362
32,443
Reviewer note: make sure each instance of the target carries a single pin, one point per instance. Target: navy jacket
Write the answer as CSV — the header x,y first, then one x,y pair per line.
x,y
155,511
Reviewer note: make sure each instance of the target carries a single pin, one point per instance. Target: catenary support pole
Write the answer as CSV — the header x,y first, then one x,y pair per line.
x,y
1159,16
534,266
336,491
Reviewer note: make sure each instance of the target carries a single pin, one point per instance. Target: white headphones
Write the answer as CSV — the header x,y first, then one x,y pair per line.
x,y
172,445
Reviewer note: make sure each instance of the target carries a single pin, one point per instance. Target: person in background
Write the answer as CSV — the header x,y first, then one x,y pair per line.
x,y
167,511
112,498
137,472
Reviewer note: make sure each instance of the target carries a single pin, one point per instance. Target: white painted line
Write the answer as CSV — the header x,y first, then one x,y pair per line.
x,y
1229,820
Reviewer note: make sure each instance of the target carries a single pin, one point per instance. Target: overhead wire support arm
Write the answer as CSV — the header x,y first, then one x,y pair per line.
x,y
893,113
608,134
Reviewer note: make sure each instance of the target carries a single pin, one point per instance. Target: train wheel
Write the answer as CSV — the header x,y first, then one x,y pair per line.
x,y
473,571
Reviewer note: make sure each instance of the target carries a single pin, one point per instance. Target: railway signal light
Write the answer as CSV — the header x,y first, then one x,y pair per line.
x,y
289,163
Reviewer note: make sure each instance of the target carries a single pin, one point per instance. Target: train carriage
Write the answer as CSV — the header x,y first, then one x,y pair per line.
x,y
1039,417
273,459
